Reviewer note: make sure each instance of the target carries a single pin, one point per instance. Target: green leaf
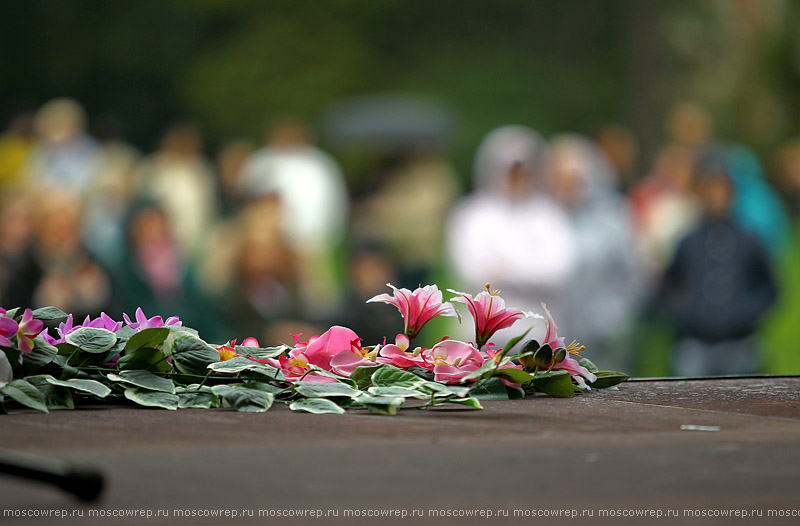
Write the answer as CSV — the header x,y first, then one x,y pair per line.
x,y
514,341
65,349
555,383
492,389
11,313
6,371
394,390
586,362
324,389
389,375
87,386
55,396
386,405
236,364
316,405
362,375
445,390
144,379
261,353
144,359
485,369
193,355
518,376
150,398
194,396
247,400
92,339
152,338
469,401
42,354
606,379
49,314
24,393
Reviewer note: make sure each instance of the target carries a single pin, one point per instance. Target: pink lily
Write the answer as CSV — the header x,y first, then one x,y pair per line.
x,y
345,362
321,349
452,360
578,372
418,307
399,355
28,329
8,328
143,322
297,366
489,312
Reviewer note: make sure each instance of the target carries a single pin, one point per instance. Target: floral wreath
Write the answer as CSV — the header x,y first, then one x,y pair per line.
x,y
161,363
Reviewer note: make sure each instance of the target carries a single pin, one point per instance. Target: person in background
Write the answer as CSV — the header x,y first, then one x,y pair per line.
x,y
603,294
109,199
65,156
619,146
315,206
509,232
261,276
411,232
231,159
57,269
16,145
181,180
719,285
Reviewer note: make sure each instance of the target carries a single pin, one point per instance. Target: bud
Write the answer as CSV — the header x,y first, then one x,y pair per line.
x,y
543,356
526,358
559,355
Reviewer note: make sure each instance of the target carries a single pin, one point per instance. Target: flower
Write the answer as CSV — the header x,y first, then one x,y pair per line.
x,y
297,366
321,349
418,307
142,321
227,351
399,355
489,312
345,362
8,328
28,329
452,359
578,372
104,321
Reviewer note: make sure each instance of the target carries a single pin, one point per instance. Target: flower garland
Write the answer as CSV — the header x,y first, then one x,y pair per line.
x,y
161,363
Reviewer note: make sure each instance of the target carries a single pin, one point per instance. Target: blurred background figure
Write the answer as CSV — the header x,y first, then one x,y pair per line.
x,y
601,301
17,228
371,268
619,146
65,156
314,203
719,285
16,144
230,160
181,180
406,211
56,268
260,292
108,200
510,233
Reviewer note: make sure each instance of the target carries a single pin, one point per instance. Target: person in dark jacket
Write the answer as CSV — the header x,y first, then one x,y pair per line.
x,y
719,285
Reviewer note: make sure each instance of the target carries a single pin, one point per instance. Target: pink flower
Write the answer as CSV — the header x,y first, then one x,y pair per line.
x,y
28,329
578,372
321,349
452,360
418,307
297,366
8,328
399,355
489,312
143,322
345,362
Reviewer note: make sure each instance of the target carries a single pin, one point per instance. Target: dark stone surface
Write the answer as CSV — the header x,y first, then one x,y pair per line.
x,y
614,450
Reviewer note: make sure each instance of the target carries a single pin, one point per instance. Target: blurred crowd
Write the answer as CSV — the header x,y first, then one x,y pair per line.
x,y
273,239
